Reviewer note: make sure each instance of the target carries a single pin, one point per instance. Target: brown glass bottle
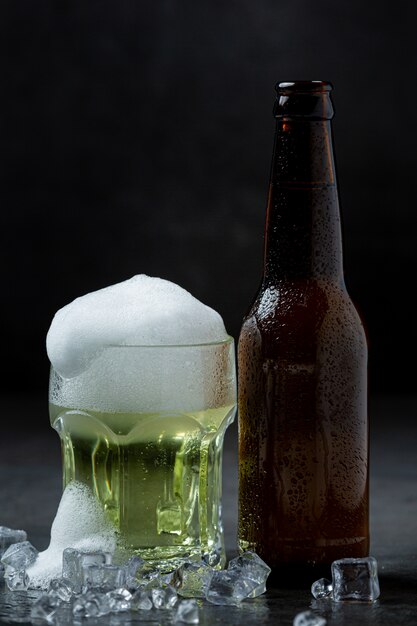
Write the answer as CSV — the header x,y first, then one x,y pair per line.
x,y
302,355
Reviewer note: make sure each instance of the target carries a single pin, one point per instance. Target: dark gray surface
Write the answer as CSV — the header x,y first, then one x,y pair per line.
x,y
30,491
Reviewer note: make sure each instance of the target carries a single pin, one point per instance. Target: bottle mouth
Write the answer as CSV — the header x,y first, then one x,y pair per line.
x,y
304,99
303,86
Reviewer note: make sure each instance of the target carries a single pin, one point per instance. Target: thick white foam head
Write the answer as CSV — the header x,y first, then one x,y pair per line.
x,y
139,311
80,523
92,370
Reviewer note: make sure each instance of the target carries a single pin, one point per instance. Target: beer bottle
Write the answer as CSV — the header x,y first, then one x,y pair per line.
x,y
302,355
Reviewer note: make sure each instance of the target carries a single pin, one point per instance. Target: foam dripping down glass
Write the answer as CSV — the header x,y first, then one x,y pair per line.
x,y
143,427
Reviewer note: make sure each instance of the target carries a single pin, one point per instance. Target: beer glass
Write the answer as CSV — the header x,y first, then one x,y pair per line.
x,y
143,428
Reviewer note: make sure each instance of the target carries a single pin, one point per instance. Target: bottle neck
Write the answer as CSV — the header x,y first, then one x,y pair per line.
x,y
303,233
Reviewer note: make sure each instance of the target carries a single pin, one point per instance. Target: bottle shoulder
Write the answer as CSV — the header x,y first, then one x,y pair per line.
x,y
302,306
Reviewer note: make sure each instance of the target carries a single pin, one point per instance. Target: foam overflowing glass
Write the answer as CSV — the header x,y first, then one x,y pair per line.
x,y
143,428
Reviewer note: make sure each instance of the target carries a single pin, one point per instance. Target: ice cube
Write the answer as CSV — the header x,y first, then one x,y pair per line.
x,y
193,579
308,618
119,600
230,587
44,608
168,578
20,555
212,558
355,579
91,604
164,597
73,562
187,612
16,579
147,581
253,567
148,577
8,536
103,577
141,600
322,588
132,566
61,589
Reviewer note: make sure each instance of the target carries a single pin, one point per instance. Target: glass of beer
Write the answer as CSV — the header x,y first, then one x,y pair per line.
x,y
143,428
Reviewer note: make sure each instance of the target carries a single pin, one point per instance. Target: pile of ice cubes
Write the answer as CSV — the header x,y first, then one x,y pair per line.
x,y
91,586
16,554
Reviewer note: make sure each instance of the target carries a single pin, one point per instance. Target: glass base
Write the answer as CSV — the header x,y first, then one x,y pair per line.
x,y
168,558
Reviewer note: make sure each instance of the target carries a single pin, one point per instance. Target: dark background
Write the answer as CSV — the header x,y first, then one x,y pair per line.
x,y
137,137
